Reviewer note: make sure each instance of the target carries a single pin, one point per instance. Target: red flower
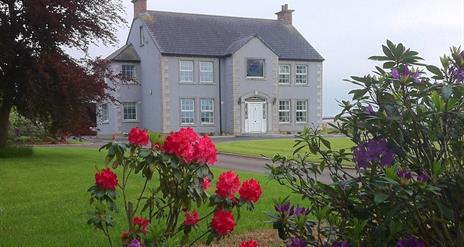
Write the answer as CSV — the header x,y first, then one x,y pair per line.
x,y
223,222
138,136
189,147
181,144
205,151
106,179
191,218
250,191
125,235
142,223
227,185
250,243
206,184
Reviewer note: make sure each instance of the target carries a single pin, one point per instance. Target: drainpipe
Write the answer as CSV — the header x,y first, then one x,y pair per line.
x,y
220,98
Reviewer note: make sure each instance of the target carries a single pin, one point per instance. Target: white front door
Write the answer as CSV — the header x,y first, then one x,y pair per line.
x,y
255,117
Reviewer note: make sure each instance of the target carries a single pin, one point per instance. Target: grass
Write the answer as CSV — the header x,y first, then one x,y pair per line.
x,y
44,199
269,147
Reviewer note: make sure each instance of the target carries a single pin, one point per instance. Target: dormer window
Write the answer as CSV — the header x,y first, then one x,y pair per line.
x,y
255,68
128,71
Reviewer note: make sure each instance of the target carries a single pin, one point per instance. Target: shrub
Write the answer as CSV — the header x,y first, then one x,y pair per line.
x,y
408,127
180,165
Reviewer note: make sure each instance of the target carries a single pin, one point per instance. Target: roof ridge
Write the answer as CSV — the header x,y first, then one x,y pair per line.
x,y
217,16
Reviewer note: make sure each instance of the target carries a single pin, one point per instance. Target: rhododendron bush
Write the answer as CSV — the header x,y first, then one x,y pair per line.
x,y
176,182
406,121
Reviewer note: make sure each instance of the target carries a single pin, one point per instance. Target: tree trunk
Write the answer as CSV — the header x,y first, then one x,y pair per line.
x,y
4,123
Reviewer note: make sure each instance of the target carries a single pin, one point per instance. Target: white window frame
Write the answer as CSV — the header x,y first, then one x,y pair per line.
x,y
124,105
210,111
288,74
187,111
124,71
182,70
255,77
105,113
303,111
301,74
288,111
209,72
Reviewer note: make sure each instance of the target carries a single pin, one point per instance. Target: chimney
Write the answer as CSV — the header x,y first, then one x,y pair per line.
x,y
140,6
285,15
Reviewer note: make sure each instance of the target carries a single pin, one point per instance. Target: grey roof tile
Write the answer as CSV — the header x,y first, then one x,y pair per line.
x,y
208,35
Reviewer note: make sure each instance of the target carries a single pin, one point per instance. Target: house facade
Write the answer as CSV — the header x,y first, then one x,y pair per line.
x,y
216,74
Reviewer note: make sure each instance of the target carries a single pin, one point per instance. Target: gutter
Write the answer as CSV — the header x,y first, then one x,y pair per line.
x,y
220,98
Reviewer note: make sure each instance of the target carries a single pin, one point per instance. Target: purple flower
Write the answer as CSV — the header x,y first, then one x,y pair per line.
x,y
296,242
404,174
395,73
405,72
458,74
374,151
410,242
299,211
135,243
341,244
423,177
369,110
282,208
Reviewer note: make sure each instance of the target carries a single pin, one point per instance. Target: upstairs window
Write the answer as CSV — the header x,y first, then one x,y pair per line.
x,y
129,111
186,71
301,113
284,74
206,72
301,75
255,68
128,71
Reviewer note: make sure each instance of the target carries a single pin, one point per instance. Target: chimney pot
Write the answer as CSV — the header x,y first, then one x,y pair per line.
x,y
140,7
285,15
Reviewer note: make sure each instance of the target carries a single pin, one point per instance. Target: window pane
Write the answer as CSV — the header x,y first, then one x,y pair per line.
x,y
186,71
284,111
207,110
187,111
105,113
206,71
284,74
301,111
255,67
301,74
129,111
128,71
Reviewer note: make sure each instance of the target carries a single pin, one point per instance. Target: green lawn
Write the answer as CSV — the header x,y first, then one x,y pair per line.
x,y
269,147
44,199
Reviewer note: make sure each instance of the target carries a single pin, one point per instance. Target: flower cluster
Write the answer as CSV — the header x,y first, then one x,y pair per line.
x,y
141,224
374,151
296,242
223,222
106,179
135,243
205,184
138,137
250,191
404,72
250,243
410,242
227,185
341,244
190,147
285,209
191,218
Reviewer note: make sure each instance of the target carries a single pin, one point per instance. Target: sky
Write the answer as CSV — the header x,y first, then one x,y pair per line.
x,y
345,33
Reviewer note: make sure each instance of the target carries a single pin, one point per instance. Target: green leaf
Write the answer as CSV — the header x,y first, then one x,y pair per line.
x,y
435,70
358,93
379,197
379,58
446,91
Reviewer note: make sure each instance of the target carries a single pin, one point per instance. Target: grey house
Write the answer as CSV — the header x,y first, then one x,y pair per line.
x,y
216,74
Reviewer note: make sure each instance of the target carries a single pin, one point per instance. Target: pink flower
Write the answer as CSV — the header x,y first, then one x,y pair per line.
x,y
206,184
227,185
191,218
138,137
250,191
205,151
142,223
250,243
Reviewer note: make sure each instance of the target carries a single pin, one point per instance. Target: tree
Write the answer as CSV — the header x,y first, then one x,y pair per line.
x,y
37,76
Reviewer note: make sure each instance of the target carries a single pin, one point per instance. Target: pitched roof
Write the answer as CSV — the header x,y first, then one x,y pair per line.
x,y
126,53
215,36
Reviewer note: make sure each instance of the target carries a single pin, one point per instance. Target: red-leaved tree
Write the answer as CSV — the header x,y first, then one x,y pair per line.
x,y
37,77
